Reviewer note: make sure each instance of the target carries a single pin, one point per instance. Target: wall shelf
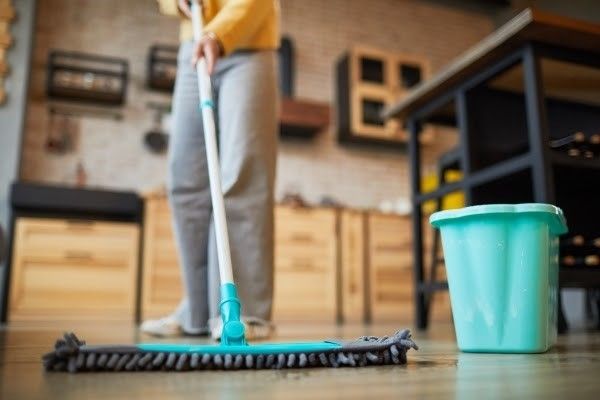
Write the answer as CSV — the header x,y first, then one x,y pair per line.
x,y
87,77
368,80
162,67
302,118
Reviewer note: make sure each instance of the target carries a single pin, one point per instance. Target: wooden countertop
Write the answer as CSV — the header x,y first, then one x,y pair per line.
x,y
529,25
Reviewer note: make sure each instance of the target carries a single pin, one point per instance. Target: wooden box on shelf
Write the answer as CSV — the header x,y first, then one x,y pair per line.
x,y
161,282
369,80
353,265
305,264
73,269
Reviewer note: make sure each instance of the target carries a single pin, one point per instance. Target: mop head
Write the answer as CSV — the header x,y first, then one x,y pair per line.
x,y
73,355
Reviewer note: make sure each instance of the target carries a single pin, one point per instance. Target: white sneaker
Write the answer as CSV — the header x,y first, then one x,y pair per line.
x,y
164,327
255,328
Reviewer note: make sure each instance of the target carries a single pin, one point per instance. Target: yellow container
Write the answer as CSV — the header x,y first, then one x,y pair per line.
x,y
430,182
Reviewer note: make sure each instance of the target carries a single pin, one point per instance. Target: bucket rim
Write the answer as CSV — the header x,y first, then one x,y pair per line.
x,y
557,219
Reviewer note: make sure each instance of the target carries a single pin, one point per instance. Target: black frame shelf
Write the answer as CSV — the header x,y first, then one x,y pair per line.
x,y
528,159
503,169
93,78
561,159
579,277
162,67
367,80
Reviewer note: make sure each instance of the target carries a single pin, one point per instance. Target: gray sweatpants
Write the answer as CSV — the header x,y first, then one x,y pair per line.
x,y
247,107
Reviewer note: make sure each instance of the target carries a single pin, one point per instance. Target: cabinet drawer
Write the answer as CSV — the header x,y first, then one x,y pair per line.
x,y
63,270
47,284
305,251
70,242
44,235
389,233
305,226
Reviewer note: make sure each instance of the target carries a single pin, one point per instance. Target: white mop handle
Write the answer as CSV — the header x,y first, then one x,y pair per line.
x,y
212,155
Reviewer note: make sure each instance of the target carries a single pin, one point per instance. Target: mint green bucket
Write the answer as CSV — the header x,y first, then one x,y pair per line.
x,y
502,268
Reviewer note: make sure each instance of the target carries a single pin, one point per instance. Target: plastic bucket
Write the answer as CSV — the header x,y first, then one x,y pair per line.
x,y
502,269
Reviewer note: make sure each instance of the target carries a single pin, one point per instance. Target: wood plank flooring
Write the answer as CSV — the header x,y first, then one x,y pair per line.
x,y
438,370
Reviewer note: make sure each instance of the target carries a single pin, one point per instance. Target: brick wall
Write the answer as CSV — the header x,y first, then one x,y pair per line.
x,y
113,154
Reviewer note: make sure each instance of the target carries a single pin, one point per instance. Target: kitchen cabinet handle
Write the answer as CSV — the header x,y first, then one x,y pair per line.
x,y
302,237
353,279
353,288
76,224
302,265
391,247
78,255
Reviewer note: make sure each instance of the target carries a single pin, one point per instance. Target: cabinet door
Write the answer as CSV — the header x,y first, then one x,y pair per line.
x,y
73,269
305,265
162,287
390,268
353,257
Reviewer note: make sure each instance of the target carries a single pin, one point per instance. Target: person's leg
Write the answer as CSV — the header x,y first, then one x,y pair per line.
x,y
248,109
189,195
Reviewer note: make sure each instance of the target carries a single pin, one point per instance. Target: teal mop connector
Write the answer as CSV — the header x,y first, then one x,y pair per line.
x,y
230,306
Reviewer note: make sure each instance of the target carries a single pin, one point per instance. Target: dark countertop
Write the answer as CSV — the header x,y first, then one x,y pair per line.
x,y
44,199
529,25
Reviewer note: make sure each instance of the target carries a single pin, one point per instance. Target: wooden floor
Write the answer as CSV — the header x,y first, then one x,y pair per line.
x,y
571,369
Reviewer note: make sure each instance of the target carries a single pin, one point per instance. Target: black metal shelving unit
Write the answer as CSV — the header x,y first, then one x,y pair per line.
x,y
505,156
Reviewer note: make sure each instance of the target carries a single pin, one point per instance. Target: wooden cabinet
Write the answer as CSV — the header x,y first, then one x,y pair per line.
x,y
305,264
368,80
328,263
390,266
353,254
76,269
161,279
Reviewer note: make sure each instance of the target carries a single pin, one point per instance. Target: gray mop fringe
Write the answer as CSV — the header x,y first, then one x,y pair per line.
x,y
73,355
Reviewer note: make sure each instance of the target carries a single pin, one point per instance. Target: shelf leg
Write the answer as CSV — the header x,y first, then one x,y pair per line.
x,y
421,317
537,124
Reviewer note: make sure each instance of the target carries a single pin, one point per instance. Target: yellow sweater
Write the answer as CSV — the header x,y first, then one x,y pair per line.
x,y
238,24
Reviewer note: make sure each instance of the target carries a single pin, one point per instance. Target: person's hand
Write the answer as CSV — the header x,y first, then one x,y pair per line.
x,y
209,48
185,8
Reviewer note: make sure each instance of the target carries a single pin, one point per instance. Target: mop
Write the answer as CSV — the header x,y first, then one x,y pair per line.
x,y
73,355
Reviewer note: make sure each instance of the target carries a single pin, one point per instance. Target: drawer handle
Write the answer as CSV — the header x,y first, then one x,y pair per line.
x,y
301,237
391,247
77,224
353,287
302,265
78,255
